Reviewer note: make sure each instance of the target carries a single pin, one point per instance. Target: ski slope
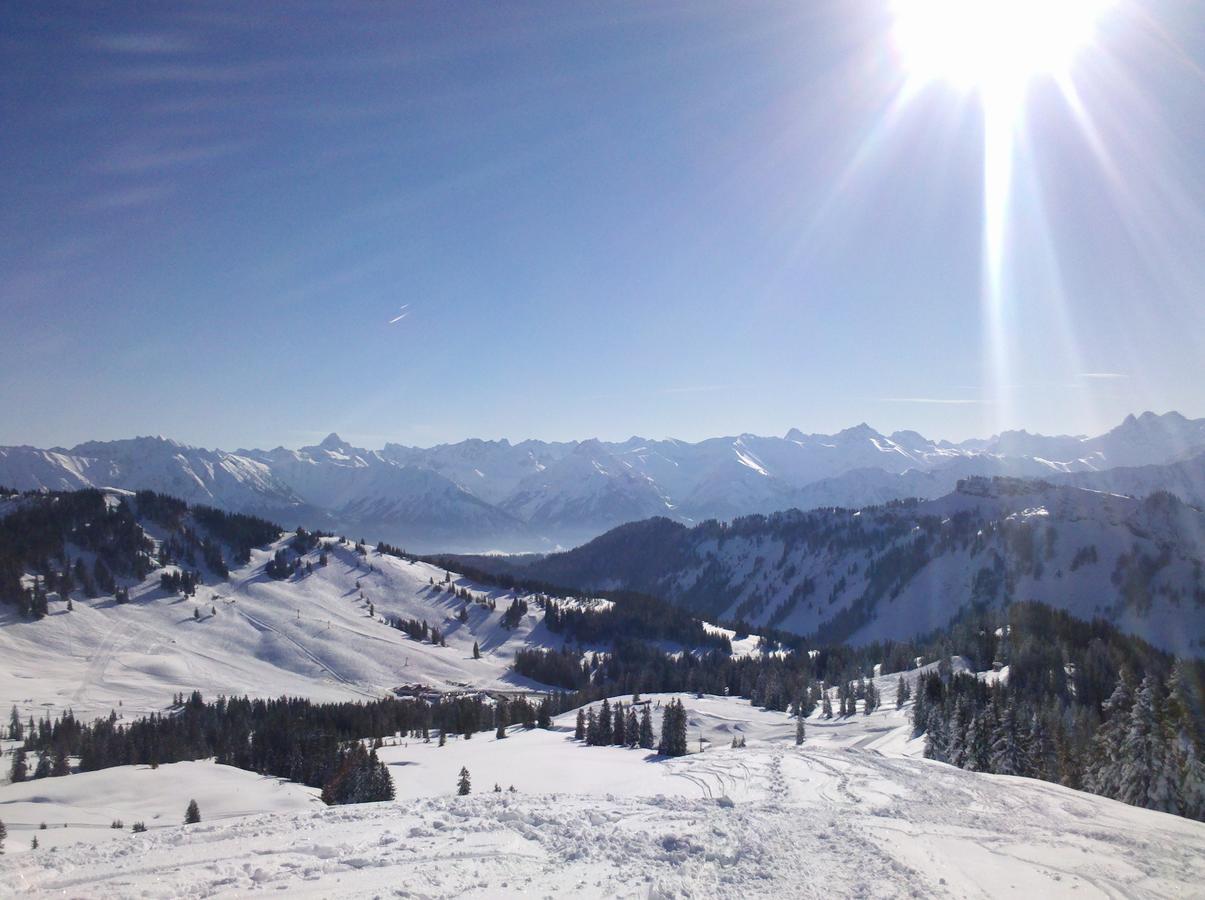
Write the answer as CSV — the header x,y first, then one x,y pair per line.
x,y
309,635
852,812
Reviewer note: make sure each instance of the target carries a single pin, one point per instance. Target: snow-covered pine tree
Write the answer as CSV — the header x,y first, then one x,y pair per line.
x,y
1008,754
1150,775
1186,740
1103,772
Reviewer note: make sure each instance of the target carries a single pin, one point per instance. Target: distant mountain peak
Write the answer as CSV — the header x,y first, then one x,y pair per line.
x,y
333,442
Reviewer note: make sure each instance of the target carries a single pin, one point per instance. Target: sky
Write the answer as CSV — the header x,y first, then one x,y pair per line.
x,y
673,219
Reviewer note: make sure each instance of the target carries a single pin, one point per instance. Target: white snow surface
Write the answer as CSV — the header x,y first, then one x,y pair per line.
x,y
852,812
310,635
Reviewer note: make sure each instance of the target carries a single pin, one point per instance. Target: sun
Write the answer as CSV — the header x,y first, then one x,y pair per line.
x,y
992,46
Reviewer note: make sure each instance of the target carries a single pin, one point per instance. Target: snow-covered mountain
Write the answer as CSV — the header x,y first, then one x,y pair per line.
x,y
231,481
910,567
493,495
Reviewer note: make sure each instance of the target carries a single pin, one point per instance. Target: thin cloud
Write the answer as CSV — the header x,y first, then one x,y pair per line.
x,y
941,401
695,389
1102,375
144,44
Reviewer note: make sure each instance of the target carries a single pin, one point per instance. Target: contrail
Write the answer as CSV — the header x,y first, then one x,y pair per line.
x,y
402,316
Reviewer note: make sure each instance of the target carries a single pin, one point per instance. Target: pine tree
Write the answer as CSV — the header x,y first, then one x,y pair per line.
x,y
20,769
827,707
42,769
1186,745
604,724
1149,775
463,785
619,726
1104,771
15,731
579,732
192,815
900,695
476,651
632,728
1008,755
646,729
799,730
673,730
501,716
544,716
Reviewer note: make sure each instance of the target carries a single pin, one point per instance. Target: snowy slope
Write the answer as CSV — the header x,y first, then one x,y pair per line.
x,y
905,569
846,814
310,635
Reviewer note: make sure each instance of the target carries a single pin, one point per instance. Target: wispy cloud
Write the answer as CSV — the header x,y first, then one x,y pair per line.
x,y
126,198
140,157
940,401
694,389
1102,375
143,44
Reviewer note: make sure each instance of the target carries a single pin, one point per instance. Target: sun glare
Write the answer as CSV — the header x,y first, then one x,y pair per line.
x,y
992,45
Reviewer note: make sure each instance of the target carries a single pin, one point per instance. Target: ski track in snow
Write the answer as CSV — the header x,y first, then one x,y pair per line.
x,y
829,818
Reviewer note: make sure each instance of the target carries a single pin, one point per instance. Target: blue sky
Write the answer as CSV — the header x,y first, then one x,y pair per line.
x,y
670,219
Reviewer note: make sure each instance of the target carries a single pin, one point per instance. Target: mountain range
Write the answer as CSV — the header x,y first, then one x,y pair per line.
x,y
478,495
912,566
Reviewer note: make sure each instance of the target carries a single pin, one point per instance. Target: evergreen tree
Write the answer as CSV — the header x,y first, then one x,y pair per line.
x,y
827,708
1150,777
544,716
42,769
900,693
673,730
579,732
1008,754
619,726
20,769
15,731
1105,769
604,724
192,815
476,651
463,786
632,728
799,730
501,716
646,729
591,728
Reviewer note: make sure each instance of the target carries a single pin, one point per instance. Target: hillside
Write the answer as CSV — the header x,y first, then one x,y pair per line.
x,y
907,568
853,811
309,634
485,496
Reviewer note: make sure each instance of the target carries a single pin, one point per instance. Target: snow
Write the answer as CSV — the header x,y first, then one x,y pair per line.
x,y
850,813
477,495
307,636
